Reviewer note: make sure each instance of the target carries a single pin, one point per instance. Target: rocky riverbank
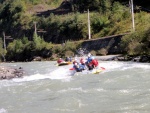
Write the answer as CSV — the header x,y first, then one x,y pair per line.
x,y
9,73
117,57
144,58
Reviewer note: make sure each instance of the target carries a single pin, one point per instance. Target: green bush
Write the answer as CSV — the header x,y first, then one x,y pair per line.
x,y
142,21
14,50
93,52
2,51
102,51
119,12
37,41
35,2
137,43
22,50
69,53
98,23
66,49
108,17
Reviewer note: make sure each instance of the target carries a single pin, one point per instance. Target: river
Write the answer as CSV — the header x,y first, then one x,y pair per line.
x,y
124,87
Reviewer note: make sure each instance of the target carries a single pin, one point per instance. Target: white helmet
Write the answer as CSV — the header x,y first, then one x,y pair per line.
x,y
76,64
89,54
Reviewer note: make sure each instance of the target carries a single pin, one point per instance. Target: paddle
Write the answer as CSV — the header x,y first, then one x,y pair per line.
x,y
102,68
72,69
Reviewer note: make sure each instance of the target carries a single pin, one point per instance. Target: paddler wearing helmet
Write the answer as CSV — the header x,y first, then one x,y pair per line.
x,y
60,60
83,63
91,62
78,67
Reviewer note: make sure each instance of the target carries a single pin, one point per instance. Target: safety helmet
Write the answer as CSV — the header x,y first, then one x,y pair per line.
x,y
89,54
75,64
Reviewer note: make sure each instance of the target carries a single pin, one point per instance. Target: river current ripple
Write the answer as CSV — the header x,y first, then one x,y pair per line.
x,y
124,87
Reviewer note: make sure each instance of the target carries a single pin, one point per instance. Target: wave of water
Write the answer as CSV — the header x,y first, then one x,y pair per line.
x,y
64,72
122,88
2,110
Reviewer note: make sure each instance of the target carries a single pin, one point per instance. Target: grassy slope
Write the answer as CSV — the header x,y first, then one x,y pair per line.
x,y
42,6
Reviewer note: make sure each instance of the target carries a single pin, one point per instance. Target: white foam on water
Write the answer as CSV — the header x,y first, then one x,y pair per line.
x,y
100,90
142,66
114,65
2,110
30,78
60,73
63,73
72,89
125,91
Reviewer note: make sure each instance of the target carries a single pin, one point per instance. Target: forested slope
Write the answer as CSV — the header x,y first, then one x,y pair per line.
x,y
59,21
65,19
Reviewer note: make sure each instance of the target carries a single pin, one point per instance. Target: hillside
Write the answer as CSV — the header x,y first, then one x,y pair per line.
x,y
39,27
18,17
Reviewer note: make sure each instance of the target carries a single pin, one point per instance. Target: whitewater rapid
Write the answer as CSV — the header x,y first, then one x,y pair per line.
x,y
123,87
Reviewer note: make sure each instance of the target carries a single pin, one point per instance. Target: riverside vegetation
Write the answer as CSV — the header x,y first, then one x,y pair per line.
x,y
65,21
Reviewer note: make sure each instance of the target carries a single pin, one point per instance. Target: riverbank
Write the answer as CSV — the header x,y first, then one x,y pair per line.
x,y
108,57
9,73
120,57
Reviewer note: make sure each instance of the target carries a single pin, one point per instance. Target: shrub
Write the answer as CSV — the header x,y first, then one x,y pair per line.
x,y
14,50
102,51
69,53
93,52
119,12
20,50
40,43
137,43
99,22
2,51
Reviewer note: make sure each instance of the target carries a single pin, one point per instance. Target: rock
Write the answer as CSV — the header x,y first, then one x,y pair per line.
x,y
37,58
108,57
145,59
136,59
9,73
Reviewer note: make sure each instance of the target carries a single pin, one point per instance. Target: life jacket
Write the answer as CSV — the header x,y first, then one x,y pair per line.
x,y
78,67
94,63
67,59
59,61
89,59
70,58
82,61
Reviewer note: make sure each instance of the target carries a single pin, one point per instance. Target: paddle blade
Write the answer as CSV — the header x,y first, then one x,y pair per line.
x,y
102,68
71,69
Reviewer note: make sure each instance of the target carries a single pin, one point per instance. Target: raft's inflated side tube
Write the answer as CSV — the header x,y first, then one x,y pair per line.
x,y
97,71
64,63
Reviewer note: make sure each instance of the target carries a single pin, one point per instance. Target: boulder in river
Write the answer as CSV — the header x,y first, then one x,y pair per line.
x,y
9,72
